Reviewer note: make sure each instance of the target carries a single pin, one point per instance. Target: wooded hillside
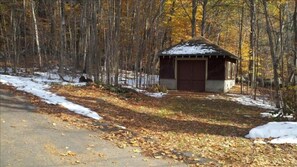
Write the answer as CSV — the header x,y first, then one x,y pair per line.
x,y
102,37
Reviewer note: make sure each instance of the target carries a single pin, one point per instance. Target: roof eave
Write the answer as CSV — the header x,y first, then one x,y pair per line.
x,y
198,55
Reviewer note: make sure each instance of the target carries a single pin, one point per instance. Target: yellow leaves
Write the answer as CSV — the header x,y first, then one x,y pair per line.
x,y
158,156
51,148
68,153
76,162
136,151
101,155
122,145
134,142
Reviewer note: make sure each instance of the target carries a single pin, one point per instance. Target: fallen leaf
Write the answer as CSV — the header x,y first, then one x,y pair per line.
x,y
101,155
122,145
136,151
69,153
158,156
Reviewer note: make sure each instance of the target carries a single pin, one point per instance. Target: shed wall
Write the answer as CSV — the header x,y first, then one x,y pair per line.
x,y
216,73
216,68
219,85
167,68
170,84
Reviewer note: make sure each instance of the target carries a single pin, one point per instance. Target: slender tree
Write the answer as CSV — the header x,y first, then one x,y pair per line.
x,y
240,47
203,21
62,36
252,42
295,56
36,33
275,60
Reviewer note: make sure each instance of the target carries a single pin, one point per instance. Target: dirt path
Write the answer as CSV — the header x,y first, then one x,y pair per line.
x,y
32,139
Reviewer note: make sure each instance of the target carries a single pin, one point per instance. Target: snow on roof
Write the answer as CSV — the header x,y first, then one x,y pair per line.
x,y
189,49
196,47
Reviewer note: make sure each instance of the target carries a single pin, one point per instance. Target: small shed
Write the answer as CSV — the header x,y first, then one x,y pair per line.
x,y
197,65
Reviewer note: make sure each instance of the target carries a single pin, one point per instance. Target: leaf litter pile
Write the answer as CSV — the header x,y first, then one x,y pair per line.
x,y
183,126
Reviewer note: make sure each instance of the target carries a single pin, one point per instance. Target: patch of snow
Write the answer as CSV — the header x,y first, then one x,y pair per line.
x,y
272,114
248,101
53,76
39,86
285,139
281,132
189,50
215,97
130,80
155,95
8,70
126,79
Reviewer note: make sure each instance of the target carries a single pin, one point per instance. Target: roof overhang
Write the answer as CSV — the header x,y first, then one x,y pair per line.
x,y
199,56
200,47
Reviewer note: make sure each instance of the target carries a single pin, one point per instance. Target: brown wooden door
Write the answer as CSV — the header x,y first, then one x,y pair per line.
x,y
191,75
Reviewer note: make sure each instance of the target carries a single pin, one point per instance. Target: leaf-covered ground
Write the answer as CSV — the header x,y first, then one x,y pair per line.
x,y
184,126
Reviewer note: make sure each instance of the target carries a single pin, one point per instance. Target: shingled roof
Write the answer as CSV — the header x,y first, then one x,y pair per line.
x,y
196,47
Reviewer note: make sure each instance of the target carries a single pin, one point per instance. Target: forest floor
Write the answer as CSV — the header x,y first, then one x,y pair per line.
x,y
185,126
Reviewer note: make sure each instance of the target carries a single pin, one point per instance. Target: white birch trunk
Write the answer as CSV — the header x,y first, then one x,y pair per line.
x,y
36,33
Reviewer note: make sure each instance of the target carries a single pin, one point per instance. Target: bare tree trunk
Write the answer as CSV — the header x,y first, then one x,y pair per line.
x,y
281,53
62,36
193,20
281,42
82,38
36,33
95,50
273,55
256,58
117,30
203,22
5,46
53,46
168,31
138,42
90,38
295,56
240,47
252,43
25,35
14,27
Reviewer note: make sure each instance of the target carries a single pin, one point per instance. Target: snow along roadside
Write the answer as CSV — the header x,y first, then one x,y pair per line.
x,y
40,88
